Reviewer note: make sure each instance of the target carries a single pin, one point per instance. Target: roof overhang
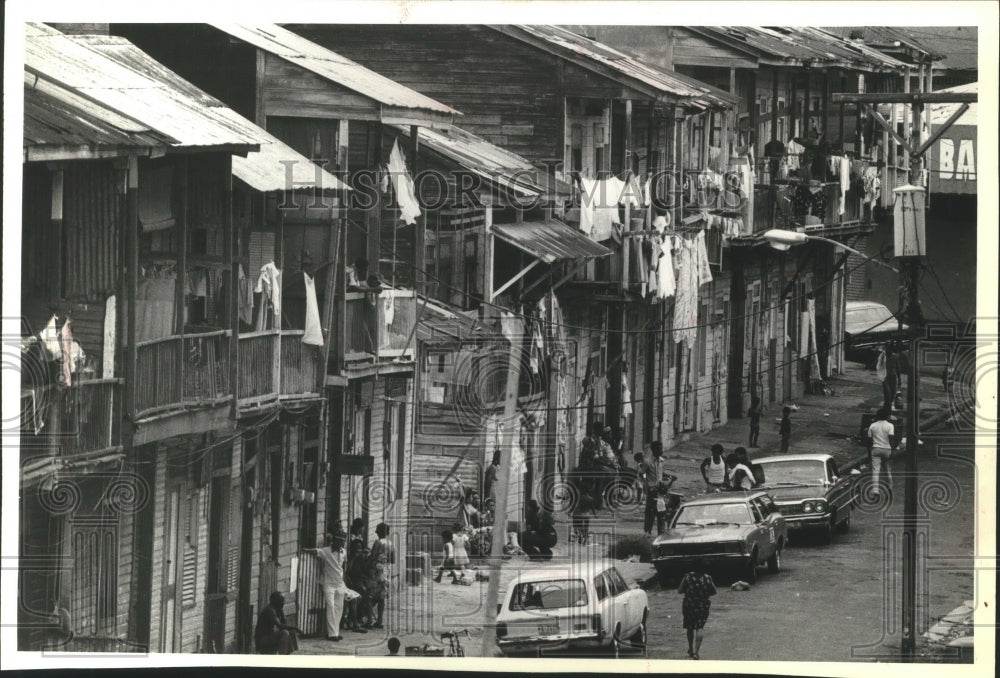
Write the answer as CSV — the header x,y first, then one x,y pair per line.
x,y
550,241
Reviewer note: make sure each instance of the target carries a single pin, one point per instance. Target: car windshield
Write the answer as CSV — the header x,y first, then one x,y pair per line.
x,y
549,595
735,513
866,318
810,472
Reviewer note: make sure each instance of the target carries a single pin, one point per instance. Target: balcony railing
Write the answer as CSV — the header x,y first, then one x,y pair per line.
x,y
80,419
368,334
774,207
176,373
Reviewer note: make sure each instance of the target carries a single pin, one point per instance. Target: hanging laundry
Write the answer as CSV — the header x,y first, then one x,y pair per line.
x,y
108,358
314,332
813,348
556,323
631,192
50,339
686,299
511,326
793,152
269,284
587,191
871,184
651,252
647,192
704,273
845,182
409,208
246,298
388,299
626,396
67,353
537,352
665,283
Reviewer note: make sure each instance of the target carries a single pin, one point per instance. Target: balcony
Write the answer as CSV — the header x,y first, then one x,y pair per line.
x,y
773,207
192,371
369,335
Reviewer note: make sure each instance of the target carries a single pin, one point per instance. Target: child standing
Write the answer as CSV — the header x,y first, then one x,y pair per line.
x,y
460,542
448,551
785,428
640,474
756,408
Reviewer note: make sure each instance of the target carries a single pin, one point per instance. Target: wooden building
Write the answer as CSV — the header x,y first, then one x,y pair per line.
x,y
183,437
784,78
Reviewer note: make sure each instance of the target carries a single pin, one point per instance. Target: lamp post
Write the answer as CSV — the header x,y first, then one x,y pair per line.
x,y
782,240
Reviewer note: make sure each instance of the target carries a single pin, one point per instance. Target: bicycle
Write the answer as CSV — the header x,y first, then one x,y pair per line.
x,y
454,644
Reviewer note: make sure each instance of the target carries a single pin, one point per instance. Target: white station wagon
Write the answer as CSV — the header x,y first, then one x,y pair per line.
x,y
583,604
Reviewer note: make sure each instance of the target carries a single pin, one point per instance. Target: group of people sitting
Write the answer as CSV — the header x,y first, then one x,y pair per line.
x,y
356,580
728,472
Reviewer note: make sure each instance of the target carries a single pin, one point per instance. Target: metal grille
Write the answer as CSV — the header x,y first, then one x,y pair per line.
x,y
309,596
94,593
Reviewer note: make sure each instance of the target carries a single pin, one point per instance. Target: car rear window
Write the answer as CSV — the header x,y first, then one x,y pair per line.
x,y
551,594
808,472
869,318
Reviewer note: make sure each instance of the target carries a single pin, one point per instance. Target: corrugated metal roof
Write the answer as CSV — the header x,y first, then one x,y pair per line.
x,y
950,47
800,45
55,117
550,241
442,324
883,38
332,66
121,77
266,170
633,72
498,165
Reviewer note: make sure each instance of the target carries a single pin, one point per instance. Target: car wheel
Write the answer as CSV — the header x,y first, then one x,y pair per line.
x,y
750,571
826,534
845,524
638,639
774,562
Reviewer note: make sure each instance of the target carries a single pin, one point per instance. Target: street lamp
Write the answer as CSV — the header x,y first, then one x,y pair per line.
x,y
783,240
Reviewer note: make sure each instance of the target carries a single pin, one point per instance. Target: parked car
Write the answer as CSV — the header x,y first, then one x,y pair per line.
x,y
868,326
810,492
735,530
583,604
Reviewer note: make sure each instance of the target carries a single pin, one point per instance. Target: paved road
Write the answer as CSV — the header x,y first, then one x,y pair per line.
x,y
832,603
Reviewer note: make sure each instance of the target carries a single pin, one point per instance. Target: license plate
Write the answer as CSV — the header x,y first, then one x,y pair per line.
x,y
548,629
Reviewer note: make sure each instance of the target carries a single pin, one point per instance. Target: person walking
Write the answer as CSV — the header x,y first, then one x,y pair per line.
x,y
333,556
888,371
583,506
273,635
490,476
785,429
756,409
383,557
882,443
655,471
713,469
697,588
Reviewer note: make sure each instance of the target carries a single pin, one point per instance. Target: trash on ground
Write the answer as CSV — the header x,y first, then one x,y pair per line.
x,y
740,586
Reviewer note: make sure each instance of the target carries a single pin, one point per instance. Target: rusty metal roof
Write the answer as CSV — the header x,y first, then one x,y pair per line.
x,y
949,47
594,55
550,240
504,168
58,124
116,75
327,64
802,45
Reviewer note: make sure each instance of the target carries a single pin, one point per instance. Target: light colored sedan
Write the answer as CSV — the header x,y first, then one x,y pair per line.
x,y
581,604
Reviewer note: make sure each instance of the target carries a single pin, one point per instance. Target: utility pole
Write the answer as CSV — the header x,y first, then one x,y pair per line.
x,y
910,273
516,339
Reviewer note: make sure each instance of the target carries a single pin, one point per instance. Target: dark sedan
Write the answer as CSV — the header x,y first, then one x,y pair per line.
x,y
868,326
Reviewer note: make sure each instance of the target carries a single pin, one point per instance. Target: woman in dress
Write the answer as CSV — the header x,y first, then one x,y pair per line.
x,y
383,556
698,588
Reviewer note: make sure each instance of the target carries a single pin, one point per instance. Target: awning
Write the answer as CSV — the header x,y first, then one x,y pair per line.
x,y
550,241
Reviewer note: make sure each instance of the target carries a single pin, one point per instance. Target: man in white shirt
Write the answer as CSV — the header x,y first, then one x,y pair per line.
x,y
881,436
333,556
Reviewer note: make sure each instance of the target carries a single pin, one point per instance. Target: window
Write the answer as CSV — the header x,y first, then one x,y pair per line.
x,y
769,503
762,507
600,587
616,581
831,470
755,512
549,595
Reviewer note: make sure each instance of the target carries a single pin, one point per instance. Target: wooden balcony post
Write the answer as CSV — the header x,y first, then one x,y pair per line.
x,y
182,246
231,248
132,250
626,241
